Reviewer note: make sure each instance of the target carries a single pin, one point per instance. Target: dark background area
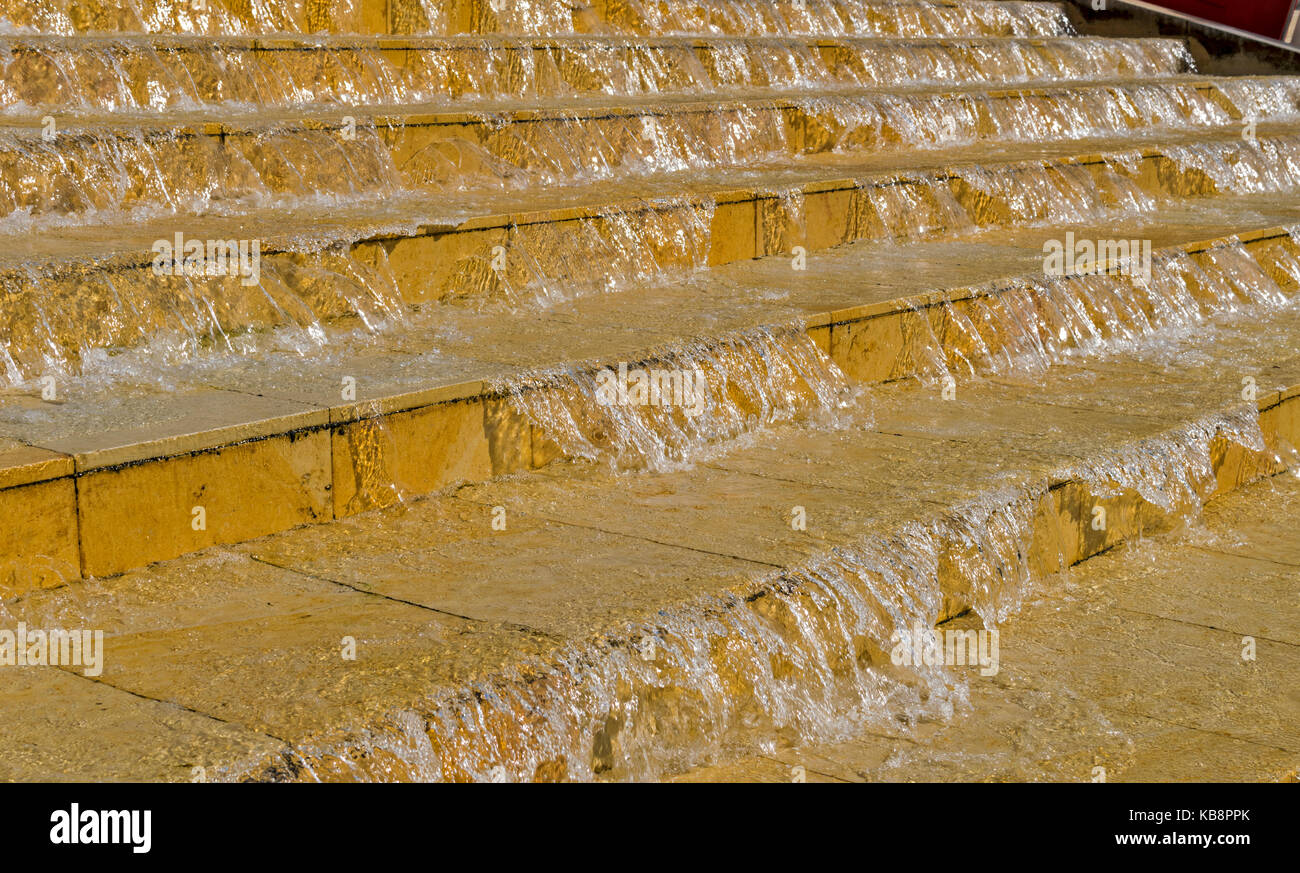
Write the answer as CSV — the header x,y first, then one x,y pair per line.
x,y
1266,17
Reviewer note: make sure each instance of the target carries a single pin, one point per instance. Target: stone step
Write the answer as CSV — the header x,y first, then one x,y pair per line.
x,y
74,292
628,625
174,73
1132,672
220,454
92,171
548,17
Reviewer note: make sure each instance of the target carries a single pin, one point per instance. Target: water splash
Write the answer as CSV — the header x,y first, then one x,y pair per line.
x,y
1174,471
1027,325
739,382
56,322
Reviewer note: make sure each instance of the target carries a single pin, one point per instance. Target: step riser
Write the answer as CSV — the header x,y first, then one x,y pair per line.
x,y
96,173
959,336
818,17
146,77
62,524
49,320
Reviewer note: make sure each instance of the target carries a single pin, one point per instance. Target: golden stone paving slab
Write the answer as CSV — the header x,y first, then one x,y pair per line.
x,y
1134,667
260,650
58,726
100,431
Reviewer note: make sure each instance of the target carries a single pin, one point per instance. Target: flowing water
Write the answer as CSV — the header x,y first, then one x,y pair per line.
x,y
745,381
804,655
101,173
841,17
147,76
76,184
542,17
620,248
1017,328
800,656
618,335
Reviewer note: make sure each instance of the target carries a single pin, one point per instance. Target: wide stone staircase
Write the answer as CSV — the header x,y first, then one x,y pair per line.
x,y
455,389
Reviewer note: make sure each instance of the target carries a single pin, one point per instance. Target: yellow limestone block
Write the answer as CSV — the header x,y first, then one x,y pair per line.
x,y
154,510
38,520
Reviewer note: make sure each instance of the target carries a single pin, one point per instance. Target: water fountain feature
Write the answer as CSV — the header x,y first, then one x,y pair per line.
x,y
624,379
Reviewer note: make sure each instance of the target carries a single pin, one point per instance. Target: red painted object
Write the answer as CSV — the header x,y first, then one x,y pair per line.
x,y
1265,17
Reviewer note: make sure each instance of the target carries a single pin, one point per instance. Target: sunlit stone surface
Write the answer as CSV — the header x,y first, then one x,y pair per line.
x,y
615,390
